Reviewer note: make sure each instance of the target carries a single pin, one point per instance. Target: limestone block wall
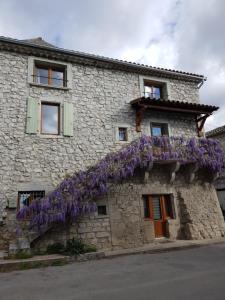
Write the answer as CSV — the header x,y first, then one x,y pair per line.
x,y
100,99
201,216
196,207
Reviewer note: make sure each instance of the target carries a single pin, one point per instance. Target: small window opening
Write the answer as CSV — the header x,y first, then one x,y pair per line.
x,y
159,129
102,210
123,134
25,198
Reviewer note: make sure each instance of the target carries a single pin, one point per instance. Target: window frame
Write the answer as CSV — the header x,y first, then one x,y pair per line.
x,y
126,134
159,124
59,118
163,198
50,68
28,192
106,213
164,83
32,61
116,133
153,85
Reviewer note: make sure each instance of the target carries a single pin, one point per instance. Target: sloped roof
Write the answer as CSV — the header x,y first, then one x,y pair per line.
x,y
215,131
41,44
38,42
194,108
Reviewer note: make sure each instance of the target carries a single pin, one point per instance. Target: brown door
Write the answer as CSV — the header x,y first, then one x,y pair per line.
x,y
157,207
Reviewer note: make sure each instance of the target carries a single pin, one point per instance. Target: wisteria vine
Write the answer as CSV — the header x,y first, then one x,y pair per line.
x,y
75,195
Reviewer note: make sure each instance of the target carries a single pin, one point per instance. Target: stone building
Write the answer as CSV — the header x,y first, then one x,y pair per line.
x,y
61,111
219,134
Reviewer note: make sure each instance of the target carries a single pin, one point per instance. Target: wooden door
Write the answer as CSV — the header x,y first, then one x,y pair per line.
x,y
157,207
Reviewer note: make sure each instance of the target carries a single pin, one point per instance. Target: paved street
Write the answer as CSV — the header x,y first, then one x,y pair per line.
x,y
188,274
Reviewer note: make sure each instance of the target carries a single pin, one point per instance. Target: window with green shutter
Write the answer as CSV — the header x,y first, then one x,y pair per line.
x,y
68,119
32,116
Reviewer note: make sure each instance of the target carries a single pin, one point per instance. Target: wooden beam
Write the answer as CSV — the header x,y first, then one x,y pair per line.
x,y
200,123
139,116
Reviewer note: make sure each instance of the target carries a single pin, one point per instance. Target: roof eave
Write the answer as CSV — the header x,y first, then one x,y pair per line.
x,y
129,65
175,106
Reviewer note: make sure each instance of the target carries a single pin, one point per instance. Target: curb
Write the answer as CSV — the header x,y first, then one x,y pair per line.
x,y
25,264
59,260
163,248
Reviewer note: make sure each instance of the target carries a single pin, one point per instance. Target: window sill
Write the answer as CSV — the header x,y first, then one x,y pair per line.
x,y
101,217
49,86
123,142
50,136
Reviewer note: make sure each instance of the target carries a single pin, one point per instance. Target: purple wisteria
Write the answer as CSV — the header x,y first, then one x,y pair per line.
x,y
75,196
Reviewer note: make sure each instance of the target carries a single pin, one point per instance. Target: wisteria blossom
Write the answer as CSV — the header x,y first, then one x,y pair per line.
x,y
76,195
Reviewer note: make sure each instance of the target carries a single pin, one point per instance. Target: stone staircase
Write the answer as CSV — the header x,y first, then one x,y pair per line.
x,y
24,243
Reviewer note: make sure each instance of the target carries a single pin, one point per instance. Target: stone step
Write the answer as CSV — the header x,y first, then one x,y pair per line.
x,y
3,254
19,244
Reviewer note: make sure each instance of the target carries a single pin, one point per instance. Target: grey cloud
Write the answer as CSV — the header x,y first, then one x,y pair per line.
x,y
201,48
183,34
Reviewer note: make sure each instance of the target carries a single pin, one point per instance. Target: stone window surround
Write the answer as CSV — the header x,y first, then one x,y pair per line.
x,y
121,125
35,184
101,202
67,66
165,85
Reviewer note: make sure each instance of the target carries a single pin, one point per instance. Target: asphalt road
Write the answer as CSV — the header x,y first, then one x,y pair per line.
x,y
188,274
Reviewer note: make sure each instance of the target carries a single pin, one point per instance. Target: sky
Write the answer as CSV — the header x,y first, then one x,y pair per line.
x,y
187,35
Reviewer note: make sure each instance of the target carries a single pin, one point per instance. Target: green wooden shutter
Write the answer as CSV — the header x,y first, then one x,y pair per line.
x,y
12,203
32,116
68,119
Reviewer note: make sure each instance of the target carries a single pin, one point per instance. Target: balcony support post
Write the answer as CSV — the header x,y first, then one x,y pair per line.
x,y
192,169
147,171
215,176
139,116
200,122
174,168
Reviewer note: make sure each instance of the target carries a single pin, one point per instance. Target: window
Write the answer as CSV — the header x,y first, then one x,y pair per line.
x,y
146,207
168,207
122,133
50,118
25,198
50,75
102,210
159,129
158,207
152,91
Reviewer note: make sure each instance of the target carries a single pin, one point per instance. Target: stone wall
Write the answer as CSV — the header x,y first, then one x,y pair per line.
x,y
100,99
196,207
